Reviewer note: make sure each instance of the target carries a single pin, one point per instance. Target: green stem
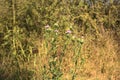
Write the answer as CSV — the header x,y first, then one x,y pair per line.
x,y
77,55
14,12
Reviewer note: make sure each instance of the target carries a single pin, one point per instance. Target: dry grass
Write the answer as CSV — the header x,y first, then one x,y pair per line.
x,y
100,60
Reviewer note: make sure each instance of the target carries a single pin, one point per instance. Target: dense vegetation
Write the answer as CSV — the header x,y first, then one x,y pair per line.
x,y
59,39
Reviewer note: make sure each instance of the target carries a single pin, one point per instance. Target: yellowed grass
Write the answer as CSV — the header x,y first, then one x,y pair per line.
x,y
100,60
99,54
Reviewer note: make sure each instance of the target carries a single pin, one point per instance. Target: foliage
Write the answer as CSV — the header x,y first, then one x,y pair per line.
x,y
54,39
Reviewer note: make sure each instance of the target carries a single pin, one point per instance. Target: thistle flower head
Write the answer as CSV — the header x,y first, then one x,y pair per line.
x,y
56,31
47,26
68,32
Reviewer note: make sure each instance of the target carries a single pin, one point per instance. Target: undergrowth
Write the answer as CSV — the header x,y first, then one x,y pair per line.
x,y
59,40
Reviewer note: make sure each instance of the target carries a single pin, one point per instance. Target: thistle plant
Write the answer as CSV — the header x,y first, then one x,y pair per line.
x,y
55,51
70,38
51,40
77,54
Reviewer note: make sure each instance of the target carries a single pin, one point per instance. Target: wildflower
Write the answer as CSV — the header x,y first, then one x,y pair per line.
x,y
47,26
68,32
56,31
